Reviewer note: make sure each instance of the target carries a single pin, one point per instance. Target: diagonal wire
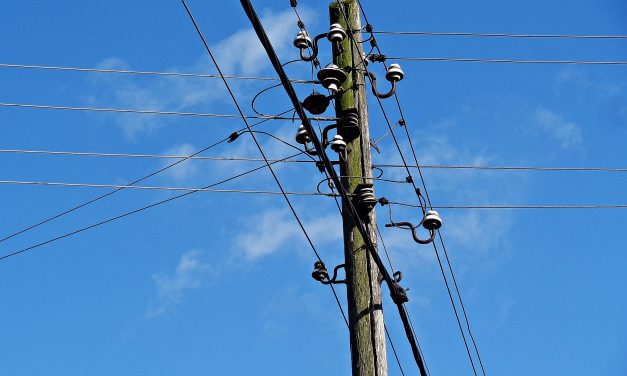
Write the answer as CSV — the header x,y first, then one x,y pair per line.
x,y
126,214
263,155
98,198
419,358
422,208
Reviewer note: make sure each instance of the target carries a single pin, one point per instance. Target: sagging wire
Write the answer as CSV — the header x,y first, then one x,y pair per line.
x,y
103,196
236,103
438,232
126,214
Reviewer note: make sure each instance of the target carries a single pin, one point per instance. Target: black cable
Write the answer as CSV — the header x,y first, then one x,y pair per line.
x,y
143,112
153,73
501,35
98,198
351,210
126,214
239,109
387,334
507,61
439,234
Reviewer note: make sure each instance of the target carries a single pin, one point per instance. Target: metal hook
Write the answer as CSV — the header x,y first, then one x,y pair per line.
x,y
413,231
321,275
376,92
314,48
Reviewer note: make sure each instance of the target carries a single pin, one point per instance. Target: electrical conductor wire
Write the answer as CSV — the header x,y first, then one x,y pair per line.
x,y
263,155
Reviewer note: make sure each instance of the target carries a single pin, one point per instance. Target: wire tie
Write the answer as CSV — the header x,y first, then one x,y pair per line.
x,y
377,57
233,136
369,28
383,201
293,3
409,179
300,24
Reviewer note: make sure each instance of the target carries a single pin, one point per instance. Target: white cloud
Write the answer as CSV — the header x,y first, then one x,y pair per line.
x,y
484,230
239,54
185,170
242,52
275,230
190,272
554,124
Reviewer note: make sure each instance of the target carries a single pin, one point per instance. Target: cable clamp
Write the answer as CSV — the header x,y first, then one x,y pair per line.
x,y
398,294
321,274
376,57
233,136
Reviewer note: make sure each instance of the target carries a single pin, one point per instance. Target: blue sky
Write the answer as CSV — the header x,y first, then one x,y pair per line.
x,y
219,283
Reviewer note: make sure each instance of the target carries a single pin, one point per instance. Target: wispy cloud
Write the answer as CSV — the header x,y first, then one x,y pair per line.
x,y
189,273
555,125
276,230
185,170
239,54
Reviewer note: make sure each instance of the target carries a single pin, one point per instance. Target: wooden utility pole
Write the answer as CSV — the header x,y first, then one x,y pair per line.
x,y
367,332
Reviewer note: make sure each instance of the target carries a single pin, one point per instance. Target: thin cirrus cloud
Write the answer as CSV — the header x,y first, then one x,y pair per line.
x,y
190,93
190,273
555,125
276,230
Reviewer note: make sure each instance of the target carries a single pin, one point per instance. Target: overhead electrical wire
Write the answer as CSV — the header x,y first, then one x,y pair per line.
x,y
348,205
592,206
377,165
148,112
141,72
507,61
375,45
416,351
126,214
258,145
105,195
158,188
499,35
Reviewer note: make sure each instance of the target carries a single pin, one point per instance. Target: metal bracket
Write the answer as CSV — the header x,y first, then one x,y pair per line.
x,y
321,275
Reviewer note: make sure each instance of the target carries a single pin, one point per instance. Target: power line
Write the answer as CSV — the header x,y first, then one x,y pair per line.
x,y
594,206
383,165
105,195
411,337
509,61
258,145
158,188
501,35
141,72
126,214
513,168
398,103
147,112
